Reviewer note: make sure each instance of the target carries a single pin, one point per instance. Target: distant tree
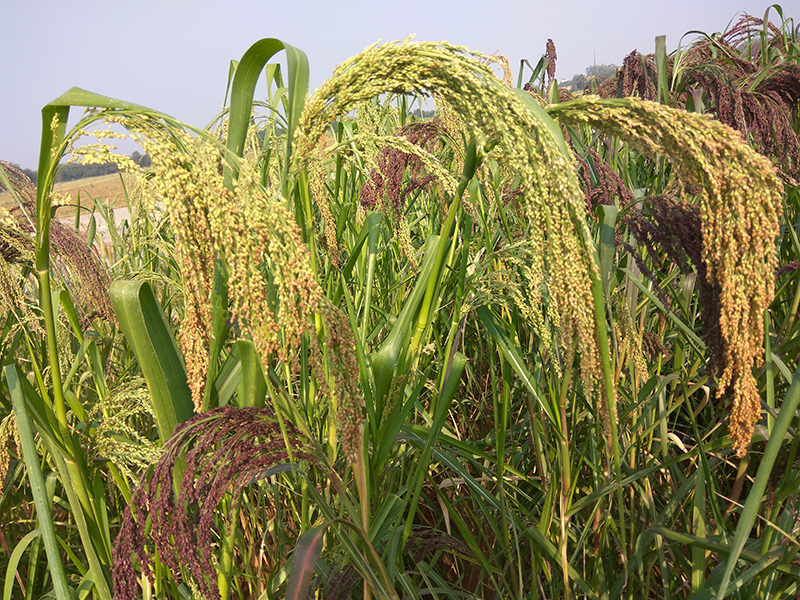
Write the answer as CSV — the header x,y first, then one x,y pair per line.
x,y
598,73
576,84
30,173
601,72
73,171
143,160
424,114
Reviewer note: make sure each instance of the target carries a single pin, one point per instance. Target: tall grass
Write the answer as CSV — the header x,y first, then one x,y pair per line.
x,y
524,349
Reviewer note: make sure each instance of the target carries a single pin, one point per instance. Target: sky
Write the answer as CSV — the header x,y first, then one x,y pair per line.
x,y
173,55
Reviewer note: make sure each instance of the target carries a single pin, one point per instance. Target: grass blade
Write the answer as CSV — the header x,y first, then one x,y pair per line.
x,y
304,560
756,495
244,85
147,330
510,352
36,480
13,561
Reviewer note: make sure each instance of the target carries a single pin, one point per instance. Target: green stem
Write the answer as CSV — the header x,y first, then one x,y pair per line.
x,y
360,474
566,475
769,370
471,163
226,560
46,300
611,405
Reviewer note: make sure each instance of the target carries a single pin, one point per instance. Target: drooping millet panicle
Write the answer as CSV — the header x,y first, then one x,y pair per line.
x,y
319,194
75,262
122,420
225,450
629,342
550,194
384,185
82,272
274,296
8,435
506,276
98,153
16,247
401,160
21,188
745,36
608,186
637,77
740,203
186,179
565,95
760,102
253,228
502,61
337,377
789,267
423,542
551,57
664,225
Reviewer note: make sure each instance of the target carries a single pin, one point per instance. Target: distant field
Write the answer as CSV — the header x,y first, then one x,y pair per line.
x,y
105,187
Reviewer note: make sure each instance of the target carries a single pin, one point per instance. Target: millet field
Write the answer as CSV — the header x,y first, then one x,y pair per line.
x,y
439,330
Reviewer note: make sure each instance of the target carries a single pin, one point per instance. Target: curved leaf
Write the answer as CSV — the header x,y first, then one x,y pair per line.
x,y
244,86
31,456
304,560
149,334
13,561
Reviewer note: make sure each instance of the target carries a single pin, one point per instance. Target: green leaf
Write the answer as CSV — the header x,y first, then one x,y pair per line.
x,y
508,349
31,457
661,69
699,527
219,329
57,113
229,377
386,359
542,115
148,332
546,547
304,560
687,331
756,494
607,246
253,389
13,561
245,79
449,388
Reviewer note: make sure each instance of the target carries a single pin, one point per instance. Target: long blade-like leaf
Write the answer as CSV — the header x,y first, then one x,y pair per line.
x,y
54,123
514,358
756,495
31,456
247,74
149,334
304,560
13,561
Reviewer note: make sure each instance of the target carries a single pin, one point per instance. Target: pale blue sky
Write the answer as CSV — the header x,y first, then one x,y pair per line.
x,y
173,55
